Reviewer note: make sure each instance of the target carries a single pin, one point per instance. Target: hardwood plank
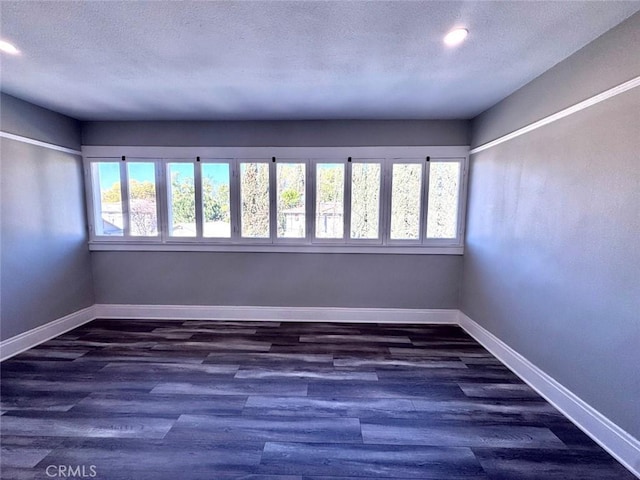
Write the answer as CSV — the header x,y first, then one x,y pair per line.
x,y
336,338
549,464
269,428
368,461
395,364
19,399
265,359
323,374
387,389
156,404
334,407
66,425
236,387
456,434
499,390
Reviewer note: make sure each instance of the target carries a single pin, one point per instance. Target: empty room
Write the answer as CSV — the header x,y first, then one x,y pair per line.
x,y
331,240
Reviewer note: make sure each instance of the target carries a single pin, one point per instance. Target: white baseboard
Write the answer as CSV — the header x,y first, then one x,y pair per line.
x,y
24,341
38,335
620,444
297,314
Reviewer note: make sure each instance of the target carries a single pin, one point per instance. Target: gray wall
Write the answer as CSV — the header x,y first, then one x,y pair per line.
x,y
278,279
604,63
29,120
45,268
552,259
312,133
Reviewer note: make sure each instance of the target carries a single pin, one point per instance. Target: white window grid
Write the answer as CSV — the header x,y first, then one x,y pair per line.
x,y
310,240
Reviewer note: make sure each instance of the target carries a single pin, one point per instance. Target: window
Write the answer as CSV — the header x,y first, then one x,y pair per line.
x,y
125,200
365,200
182,200
143,207
406,200
396,204
254,198
444,197
330,200
107,200
216,200
292,209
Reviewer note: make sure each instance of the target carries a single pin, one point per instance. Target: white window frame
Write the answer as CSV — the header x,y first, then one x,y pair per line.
x,y
310,156
160,208
422,218
381,209
91,195
271,179
462,196
308,208
124,195
165,177
314,179
234,197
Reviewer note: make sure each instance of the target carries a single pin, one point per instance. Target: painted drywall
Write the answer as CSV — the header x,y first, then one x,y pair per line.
x,y
551,261
319,133
277,279
31,121
45,266
602,64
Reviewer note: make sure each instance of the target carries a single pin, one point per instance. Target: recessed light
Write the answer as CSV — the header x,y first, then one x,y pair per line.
x,y
9,48
456,36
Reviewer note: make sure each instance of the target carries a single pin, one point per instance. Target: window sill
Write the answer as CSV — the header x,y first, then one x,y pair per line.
x,y
98,246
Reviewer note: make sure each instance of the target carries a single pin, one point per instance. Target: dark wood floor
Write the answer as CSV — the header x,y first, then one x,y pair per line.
x,y
215,400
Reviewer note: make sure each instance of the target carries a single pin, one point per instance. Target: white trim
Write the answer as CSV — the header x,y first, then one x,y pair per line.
x,y
115,245
612,92
620,444
29,339
38,143
295,314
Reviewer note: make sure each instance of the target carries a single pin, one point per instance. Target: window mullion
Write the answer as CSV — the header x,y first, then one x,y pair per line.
x,y
90,198
234,196
424,200
124,197
162,194
273,200
311,200
308,208
198,200
462,197
385,213
347,202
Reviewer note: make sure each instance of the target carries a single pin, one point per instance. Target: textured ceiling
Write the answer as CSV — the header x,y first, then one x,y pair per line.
x,y
217,60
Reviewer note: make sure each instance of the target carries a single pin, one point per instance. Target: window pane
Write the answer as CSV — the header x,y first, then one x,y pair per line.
x,y
254,191
182,200
444,187
143,212
329,200
365,200
216,206
291,200
107,199
406,183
